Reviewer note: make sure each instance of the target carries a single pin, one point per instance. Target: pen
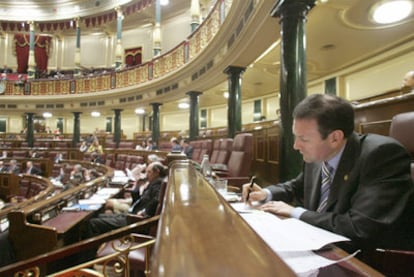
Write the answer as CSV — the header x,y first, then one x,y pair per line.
x,y
250,187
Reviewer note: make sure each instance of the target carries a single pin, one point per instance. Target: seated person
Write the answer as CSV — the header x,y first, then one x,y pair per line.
x,y
187,148
31,169
76,176
141,146
61,181
175,145
58,158
3,155
3,168
13,167
97,158
358,186
408,81
90,174
95,147
139,183
144,206
150,145
84,146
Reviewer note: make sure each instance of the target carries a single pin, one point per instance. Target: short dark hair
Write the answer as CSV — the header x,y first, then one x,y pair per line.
x,y
330,112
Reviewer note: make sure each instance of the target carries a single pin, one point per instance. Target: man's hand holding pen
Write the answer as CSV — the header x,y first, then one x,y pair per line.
x,y
253,192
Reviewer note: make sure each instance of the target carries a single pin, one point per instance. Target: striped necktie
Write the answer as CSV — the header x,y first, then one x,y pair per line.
x,y
326,183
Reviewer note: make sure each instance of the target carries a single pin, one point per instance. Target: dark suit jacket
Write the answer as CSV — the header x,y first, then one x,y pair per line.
x,y
371,199
149,198
14,170
34,171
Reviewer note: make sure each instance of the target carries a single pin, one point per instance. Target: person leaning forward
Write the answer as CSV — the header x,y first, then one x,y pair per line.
x,y
371,193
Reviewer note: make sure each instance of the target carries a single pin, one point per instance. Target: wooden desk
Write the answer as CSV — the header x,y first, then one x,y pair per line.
x,y
66,221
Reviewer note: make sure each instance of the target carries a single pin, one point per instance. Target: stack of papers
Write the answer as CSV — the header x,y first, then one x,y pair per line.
x,y
106,193
95,202
119,177
292,239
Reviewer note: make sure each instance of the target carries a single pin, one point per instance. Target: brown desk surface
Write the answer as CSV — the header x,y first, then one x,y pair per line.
x,y
65,221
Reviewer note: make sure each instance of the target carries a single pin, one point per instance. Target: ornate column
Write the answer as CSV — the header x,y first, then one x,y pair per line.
x,y
32,62
59,124
117,126
292,16
234,121
77,49
155,122
30,129
195,14
119,49
194,117
76,128
144,122
156,36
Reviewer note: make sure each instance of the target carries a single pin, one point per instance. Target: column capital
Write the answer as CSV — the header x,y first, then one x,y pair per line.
x,y
194,93
300,7
231,70
31,25
77,21
119,11
156,104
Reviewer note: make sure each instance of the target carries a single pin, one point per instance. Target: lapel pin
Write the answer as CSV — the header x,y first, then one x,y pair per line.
x,y
346,177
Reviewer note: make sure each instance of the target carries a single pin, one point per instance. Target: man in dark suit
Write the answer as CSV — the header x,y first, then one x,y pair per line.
x,y
31,169
370,194
144,206
187,148
3,168
97,158
13,167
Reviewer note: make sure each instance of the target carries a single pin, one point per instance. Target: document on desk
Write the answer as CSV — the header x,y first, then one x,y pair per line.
x,y
293,240
289,234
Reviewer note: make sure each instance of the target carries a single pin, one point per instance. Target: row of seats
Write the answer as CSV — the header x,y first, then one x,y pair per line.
x,y
201,148
118,161
40,154
231,158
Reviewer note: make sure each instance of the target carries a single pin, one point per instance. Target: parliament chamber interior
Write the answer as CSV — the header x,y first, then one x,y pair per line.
x,y
101,100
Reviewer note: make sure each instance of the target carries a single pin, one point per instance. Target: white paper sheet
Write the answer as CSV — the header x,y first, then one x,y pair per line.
x,y
289,234
293,240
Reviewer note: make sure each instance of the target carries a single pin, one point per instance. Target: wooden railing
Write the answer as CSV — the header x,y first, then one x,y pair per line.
x,y
43,265
10,188
27,232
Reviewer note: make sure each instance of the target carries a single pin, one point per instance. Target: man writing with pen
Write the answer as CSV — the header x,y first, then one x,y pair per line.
x,y
358,186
